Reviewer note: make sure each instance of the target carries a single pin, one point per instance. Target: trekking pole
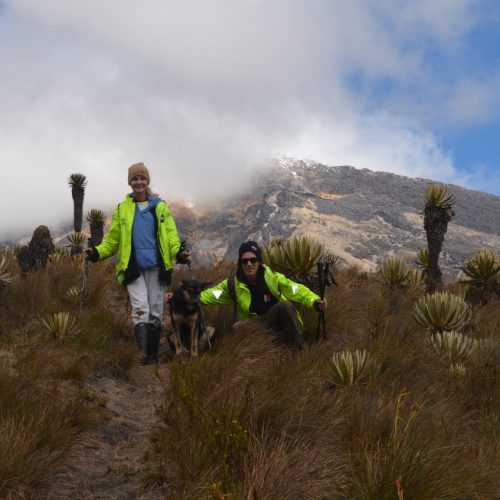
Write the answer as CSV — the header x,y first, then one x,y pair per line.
x,y
85,273
324,275
321,284
201,317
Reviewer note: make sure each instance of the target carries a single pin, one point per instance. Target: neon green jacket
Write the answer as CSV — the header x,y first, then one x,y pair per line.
x,y
119,237
279,285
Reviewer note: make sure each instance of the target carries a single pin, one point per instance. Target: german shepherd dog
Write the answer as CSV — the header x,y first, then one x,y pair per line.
x,y
185,314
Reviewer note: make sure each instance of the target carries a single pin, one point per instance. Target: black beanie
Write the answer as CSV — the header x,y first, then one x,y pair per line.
x,y
250,246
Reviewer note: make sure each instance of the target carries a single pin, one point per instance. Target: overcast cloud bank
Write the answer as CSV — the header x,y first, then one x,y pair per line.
x,y
204,91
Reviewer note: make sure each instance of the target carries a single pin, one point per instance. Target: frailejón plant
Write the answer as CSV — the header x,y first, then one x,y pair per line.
x,y
454,346
422,258
61,325
416,278
77,242
296,257
482,269
348,368
97,219
77,183
438,212
442,311
394,271
5,275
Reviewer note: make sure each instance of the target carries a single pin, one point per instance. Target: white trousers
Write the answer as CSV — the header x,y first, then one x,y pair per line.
x,y
146,297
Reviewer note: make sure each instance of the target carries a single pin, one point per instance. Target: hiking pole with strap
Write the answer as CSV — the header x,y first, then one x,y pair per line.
x,y
324,275
85,273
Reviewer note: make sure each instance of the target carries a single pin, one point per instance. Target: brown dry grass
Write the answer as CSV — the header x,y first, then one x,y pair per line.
x,y
43,410
251,418
254,420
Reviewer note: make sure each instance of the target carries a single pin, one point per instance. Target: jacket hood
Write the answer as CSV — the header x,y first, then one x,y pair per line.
x,y
152,199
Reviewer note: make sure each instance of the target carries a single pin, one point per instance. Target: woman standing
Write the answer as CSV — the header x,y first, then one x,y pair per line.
x,y
144,236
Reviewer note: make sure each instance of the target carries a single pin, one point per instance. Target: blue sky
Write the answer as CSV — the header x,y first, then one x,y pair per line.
x,y
203,92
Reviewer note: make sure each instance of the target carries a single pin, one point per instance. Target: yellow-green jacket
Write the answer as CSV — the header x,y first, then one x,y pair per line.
x,y
119,237
279,285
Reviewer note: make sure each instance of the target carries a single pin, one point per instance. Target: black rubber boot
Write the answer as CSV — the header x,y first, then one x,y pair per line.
x,y
153,344
141,331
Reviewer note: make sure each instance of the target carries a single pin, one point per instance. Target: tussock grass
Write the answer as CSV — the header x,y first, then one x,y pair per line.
x,y
254,419
251,418
38,424
42,407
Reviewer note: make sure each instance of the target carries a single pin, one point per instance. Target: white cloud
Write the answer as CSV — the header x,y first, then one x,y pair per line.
x,y
201,91
474,102
378,142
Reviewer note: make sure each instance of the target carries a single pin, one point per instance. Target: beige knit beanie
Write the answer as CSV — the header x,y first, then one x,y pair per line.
x,y
138,169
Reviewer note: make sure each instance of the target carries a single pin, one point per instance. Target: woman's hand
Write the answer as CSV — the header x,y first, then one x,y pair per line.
x,y
87,252
185,256
168,296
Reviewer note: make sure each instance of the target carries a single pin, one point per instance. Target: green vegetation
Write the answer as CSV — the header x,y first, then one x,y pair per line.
x,y
45,356
438,212
394,271
402,399
97,219
348,368
77,242
77,183
36,254
378,409
296,257
482,273
442,311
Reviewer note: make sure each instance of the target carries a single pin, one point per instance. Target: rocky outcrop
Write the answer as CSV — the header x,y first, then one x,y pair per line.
x,y
360,215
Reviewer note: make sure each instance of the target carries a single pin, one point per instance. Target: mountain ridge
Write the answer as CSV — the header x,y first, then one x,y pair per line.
x,y
360,215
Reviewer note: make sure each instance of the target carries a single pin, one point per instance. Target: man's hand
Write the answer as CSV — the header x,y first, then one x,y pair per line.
x,y
321,305
168,296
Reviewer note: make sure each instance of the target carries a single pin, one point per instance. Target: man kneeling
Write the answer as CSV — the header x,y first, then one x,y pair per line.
x,y
265,296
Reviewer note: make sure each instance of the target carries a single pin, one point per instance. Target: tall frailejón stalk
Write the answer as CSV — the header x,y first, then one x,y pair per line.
x,y
78,183
97,219
437,213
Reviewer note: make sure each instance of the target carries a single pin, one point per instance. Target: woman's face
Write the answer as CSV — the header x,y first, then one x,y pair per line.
x,y
139,183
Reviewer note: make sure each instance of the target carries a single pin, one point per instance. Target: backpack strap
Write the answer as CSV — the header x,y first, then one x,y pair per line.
x,y
232,293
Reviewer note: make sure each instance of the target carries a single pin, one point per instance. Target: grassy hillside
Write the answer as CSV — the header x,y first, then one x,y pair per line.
x,y
251,418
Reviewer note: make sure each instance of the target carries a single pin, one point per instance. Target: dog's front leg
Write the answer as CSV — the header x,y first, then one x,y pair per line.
x,y
176,339
194,338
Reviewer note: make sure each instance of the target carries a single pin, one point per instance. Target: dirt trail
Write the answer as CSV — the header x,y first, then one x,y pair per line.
x,y
107,461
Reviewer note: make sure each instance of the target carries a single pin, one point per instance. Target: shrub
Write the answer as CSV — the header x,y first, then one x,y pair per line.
x,y
416,278
61,325
77,242
5,274
453,346
296,257
483,276
442,311
394,271
348,368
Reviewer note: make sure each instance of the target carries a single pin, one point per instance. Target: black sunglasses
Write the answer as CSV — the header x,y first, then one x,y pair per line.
x,y
251,260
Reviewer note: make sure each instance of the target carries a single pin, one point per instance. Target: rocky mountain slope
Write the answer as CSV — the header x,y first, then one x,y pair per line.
x,y
360,215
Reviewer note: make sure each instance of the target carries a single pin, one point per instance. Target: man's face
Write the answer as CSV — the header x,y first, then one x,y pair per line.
x,y
250,265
